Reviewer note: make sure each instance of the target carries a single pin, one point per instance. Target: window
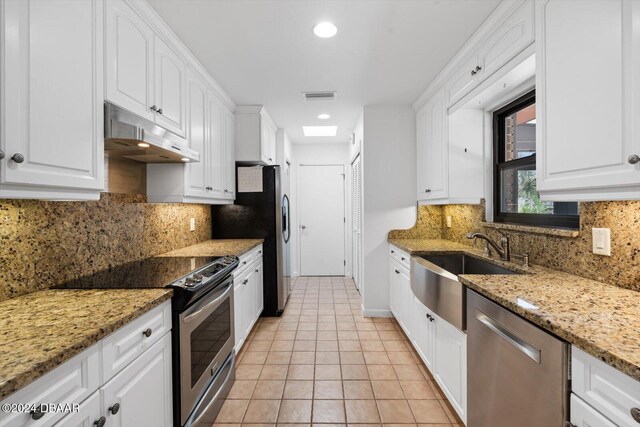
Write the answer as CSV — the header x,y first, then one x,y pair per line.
x,y
516,199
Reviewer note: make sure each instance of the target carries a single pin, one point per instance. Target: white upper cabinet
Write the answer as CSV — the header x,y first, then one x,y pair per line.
x,y
504,41
143,74
432,154
169,94
217,160
255,135
588,99
51,86
197,173
129,59
230,155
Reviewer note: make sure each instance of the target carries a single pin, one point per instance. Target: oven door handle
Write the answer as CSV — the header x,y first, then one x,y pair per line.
x,y
195,314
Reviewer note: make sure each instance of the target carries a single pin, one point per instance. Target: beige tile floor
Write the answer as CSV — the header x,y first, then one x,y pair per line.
x,y
324,363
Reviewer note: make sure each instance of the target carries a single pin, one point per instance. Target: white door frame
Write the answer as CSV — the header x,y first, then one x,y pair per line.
x,y
299,219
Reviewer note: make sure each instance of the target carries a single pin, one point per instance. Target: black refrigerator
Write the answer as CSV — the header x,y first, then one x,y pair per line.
x,y
259,215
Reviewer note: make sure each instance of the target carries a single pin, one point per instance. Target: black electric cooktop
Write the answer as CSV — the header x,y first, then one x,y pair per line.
x,y
156,272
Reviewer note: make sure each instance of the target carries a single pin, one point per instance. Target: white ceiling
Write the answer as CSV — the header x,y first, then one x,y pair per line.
x,y
264,51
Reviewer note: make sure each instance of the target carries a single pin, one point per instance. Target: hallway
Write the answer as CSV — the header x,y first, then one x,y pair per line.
x,y
322,362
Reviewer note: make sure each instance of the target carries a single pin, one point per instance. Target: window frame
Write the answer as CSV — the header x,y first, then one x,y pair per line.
x,y
499,165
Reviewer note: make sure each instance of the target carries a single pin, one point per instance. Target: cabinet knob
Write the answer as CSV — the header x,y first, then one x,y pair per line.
x,y
392,251
397,272
1,154
402,258
18,158
633,159
475,71
159,110
226,191
100,422
153,108
115,408
256,270
37,413
635,414
147,332
245,281
427,191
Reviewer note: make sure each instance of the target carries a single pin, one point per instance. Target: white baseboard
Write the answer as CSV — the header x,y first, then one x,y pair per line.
x,y
376,312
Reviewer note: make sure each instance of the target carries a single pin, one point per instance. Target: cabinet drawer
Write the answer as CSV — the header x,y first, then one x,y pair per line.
x,y
583,415
403,258
247,259
68,383
605,388
87,416
127,343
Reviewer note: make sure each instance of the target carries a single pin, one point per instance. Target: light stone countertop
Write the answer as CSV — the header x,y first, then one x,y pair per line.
x,y
41,330
601,319
218,247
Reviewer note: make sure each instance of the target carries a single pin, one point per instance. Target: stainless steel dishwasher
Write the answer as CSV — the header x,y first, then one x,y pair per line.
x,y
517,373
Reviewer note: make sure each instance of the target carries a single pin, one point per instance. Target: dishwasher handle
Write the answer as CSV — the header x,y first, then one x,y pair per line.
x,y
529,350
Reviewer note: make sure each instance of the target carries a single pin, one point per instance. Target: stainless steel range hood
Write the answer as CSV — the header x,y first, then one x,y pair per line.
x,y
133,137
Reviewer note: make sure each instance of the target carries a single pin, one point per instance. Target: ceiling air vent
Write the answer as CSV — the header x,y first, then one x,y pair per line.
x,y
319,96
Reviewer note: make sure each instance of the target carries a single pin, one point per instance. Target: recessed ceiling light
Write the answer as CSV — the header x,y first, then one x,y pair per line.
x,y
185,159
324,116
320,130
143,145
325,30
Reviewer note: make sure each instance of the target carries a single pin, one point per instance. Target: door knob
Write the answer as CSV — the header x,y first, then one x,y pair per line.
x,y
18,158
633,159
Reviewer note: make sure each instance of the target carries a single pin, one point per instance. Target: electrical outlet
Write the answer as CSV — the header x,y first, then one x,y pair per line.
x,y
601,241
448,221
192,224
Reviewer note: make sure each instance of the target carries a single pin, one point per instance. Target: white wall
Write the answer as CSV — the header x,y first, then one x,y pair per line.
x,y
389,195
315,154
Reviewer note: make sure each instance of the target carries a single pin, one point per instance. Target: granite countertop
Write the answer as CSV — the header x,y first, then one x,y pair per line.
x,y
69,320
218,247
601,319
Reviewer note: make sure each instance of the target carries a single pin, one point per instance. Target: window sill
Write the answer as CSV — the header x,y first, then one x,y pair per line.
x,y
557,232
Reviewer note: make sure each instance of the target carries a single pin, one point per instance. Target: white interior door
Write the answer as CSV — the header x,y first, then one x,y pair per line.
x,y
322,220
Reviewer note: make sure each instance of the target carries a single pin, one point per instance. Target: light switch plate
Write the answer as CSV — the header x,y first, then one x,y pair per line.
x,y
601,241
192,224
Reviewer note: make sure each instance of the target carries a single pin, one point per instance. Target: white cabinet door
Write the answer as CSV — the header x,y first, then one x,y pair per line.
x,y
394,291
432,153
249,296
267,142
464,79
238,311
216,147
197,176
169,97
583,415
406,294
230,156
509,39
129,59
451,364
88,415
588,99
258,288
423,332
52,101
143,390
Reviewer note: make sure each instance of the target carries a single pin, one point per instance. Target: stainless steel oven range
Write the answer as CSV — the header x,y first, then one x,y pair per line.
x,y
202,331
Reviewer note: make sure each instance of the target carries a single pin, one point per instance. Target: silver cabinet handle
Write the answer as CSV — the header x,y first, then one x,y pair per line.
x,y
1,154
18,158
512,339
635,414
633,159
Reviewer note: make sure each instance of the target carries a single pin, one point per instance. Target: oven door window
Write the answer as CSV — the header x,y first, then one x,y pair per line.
x,y
208,339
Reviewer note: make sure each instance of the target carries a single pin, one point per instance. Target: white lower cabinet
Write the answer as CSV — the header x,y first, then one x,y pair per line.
x,y
450,364
142,390
139,394
248,295
583,415
441,346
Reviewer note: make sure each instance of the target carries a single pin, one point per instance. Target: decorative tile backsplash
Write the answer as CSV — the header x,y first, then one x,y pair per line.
x,y
569,254
43,244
